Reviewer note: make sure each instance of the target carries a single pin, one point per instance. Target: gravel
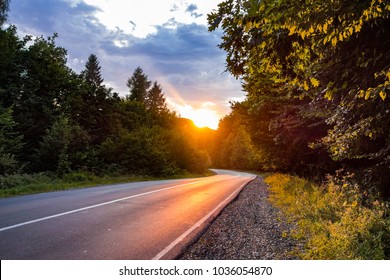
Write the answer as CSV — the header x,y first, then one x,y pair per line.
x,y
249,228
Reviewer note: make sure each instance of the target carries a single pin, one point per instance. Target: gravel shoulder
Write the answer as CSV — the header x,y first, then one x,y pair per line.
x,y
249,228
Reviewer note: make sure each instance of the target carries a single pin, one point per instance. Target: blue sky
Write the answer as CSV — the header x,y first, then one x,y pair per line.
x,y
168,39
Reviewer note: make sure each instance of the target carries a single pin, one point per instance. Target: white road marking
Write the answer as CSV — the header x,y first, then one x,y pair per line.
x,y
94,206
199,223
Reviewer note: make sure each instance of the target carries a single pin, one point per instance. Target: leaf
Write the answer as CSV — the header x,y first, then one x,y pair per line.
x,y
292,29
314,82
248,26
334,41
305,86
303,34
325,40
329,95
383,95
325,28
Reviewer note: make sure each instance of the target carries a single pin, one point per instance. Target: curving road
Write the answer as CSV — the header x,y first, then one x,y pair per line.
x,y
144,220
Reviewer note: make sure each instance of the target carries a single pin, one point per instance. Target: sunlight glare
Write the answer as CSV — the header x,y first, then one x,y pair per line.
x,y
202,117
205,118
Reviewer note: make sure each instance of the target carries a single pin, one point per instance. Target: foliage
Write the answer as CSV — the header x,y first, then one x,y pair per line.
x,y
4,6
10,142
92,71
63,147
138,85
336,220
55,120
155,100
316,75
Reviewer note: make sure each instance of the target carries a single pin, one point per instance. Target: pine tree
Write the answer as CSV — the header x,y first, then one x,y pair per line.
x,y
92,71
138,85
155,100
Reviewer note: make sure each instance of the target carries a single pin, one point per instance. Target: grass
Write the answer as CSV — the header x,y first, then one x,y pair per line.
x,y
335,220
24,184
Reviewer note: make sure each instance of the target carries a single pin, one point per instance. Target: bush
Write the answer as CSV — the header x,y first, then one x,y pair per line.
x,y
336,220
17,180
77,177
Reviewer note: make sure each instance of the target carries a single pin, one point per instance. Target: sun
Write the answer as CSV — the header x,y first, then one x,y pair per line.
x,y
201,116
204,118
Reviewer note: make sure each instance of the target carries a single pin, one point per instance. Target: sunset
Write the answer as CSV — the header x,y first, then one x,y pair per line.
x,y
237,135
204,118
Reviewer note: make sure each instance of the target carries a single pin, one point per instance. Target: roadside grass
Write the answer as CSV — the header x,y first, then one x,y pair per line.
x,y
23,184
336,220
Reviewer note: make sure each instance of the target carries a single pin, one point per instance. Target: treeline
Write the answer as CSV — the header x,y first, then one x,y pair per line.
x,y
317,78
55,120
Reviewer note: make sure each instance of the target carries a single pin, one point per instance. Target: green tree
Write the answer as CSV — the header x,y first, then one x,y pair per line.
x,y
138,85
155,100
10,142
63,147
91,104
4,6
92,71
12,65
44,84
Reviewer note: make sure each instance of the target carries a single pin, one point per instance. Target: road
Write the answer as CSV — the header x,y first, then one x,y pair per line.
x,y
144,220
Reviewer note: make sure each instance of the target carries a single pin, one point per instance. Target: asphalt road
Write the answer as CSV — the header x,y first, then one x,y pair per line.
x,y
144,220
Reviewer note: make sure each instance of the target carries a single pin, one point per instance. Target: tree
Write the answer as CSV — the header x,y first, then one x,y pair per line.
x,y
4,6
42,83
10,142
63,147
138,85
92,71
12,65
155,100
91,104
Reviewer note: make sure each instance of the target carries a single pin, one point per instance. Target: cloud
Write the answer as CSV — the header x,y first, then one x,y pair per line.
x,y
192,8
174,8
133,24
183,58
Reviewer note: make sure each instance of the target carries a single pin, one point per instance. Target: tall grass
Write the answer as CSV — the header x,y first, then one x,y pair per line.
x,y
335,220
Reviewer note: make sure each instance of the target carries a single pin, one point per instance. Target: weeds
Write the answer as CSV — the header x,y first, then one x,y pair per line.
x,y
336,220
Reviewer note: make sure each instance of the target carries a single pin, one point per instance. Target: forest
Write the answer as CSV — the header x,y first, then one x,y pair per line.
x,y
55,122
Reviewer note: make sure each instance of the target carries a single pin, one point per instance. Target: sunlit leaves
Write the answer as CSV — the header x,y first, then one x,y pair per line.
x,y
314,82
332,53
382,95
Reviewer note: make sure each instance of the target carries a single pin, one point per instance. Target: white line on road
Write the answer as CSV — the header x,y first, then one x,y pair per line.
x,y
200,222
93,206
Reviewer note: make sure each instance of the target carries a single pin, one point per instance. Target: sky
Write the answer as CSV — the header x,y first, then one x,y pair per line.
x,y
168,39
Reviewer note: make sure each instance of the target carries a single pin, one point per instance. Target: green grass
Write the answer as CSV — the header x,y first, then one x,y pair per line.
x,y
23,184
335,220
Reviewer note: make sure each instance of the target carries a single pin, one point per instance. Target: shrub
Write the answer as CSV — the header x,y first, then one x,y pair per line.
x,y
17,180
